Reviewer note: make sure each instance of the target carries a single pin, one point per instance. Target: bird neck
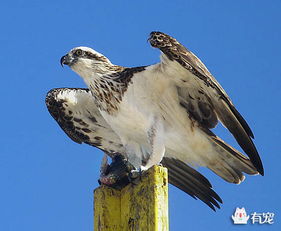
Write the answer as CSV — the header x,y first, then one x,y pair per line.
x,y
106,90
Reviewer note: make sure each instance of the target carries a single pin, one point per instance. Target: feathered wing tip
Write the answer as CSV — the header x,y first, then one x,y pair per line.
x,y
229,163
235,123
191,182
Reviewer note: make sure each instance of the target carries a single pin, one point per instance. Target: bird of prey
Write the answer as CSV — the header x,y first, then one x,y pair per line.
x,y
161,113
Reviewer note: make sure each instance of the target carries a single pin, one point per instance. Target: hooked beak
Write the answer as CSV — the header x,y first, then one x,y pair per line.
x,y
65,60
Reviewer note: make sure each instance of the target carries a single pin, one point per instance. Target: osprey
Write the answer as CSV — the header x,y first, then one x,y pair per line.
x,y
155,114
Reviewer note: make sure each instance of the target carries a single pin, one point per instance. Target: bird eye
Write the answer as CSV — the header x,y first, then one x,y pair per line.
x,y
78,52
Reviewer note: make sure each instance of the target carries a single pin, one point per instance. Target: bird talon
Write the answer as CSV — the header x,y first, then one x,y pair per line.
x,y
136,174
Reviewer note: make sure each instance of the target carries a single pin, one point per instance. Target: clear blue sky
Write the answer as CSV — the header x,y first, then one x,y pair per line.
x,y
47,180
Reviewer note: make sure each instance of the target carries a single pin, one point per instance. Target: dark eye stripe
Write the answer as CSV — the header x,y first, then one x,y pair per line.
x,y
90,55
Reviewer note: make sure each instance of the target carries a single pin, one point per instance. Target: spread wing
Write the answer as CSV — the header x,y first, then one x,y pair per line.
x,y
77,115
202,96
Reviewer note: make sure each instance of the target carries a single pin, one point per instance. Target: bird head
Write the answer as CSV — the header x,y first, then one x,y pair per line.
x,y
86,62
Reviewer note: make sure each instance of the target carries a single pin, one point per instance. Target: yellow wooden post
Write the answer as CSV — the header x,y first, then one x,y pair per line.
x,y
142,206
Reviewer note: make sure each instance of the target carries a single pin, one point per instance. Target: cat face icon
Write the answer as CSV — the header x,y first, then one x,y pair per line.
x,y
240,216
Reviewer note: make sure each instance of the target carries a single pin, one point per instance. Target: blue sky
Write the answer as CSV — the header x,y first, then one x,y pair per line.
x,y
47,180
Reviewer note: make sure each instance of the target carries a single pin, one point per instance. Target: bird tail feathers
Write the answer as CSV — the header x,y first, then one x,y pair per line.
x,y
190,181
230,163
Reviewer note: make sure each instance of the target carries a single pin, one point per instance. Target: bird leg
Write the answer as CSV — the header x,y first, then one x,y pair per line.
x,y
156,139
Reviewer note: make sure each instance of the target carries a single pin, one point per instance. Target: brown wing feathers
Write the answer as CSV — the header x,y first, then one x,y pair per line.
x,y
223,106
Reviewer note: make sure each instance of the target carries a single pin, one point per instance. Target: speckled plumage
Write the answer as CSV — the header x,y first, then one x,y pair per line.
x,y
162,112
109,90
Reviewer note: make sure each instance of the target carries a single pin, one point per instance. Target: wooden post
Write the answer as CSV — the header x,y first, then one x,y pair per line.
x,y
142,206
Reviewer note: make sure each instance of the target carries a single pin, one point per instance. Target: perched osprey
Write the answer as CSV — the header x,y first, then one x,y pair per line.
x,y
155,114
